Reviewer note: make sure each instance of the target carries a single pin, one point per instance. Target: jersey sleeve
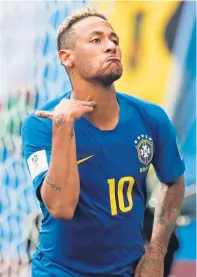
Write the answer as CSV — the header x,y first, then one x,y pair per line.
x,y
36,141
168,164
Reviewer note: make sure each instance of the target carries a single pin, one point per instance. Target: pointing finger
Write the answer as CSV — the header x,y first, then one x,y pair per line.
x,y
88,109
44,114
88,103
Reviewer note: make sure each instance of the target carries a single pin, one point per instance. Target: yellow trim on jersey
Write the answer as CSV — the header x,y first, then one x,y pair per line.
x,y
84,159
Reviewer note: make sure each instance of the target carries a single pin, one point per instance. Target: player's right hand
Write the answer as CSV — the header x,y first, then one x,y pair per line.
x,y
68,109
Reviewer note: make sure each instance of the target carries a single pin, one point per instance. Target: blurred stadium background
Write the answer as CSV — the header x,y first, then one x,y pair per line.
x,y
158,40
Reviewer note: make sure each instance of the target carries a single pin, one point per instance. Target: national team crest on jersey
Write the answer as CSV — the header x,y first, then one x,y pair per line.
x,y
144,146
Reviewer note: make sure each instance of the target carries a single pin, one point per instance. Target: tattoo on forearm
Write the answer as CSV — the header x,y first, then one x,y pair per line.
x,y
71,134
51,184
60,120
167,211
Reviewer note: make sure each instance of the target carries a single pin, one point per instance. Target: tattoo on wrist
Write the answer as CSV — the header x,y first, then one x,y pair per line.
x,y
59,120
51,184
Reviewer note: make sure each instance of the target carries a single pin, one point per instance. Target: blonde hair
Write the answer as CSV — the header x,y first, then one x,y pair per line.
x,y
65,33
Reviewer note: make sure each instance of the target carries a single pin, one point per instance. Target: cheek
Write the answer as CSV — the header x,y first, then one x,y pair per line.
x,y
86,66
87,62
81,57
119,52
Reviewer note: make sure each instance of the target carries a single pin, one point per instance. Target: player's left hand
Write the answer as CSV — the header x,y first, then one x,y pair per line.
x,y
150,265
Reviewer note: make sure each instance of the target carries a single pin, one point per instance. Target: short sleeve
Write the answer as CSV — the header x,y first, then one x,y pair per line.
x,y
36,142
168,163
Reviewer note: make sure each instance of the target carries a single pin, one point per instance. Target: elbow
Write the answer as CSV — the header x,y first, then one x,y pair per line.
x,y
59,206
63,213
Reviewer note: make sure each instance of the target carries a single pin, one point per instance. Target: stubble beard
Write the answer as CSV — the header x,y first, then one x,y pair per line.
x,y
108,77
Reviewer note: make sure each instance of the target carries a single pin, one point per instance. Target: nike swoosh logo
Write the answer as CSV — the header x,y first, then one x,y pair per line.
x,y
84,159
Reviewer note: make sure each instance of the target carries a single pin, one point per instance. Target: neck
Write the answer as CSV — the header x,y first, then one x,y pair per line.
x,y
106,112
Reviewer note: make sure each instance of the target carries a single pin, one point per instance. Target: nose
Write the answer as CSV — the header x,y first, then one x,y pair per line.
x,y
110,47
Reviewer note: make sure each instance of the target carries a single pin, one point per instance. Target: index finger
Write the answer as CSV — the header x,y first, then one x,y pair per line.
x,y
44,114
88,103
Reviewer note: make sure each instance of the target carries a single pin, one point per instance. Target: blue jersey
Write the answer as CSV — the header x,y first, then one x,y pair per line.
x,y
105,236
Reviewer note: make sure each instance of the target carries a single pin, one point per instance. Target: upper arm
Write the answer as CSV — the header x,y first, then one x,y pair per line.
x,y
36,141
167,161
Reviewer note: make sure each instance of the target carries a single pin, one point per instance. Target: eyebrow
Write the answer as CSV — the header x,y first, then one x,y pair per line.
x,y
112,34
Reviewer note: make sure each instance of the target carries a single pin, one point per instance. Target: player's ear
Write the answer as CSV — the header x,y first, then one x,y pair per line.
x,y
66,58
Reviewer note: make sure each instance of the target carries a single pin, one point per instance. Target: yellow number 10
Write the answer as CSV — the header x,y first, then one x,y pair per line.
x,y
112,195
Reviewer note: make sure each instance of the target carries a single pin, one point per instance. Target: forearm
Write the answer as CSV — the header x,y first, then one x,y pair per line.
x,y
60,189
167,209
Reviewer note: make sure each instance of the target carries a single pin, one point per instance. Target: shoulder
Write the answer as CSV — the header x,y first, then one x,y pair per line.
x,y
152,112
50,105
33,125
133,101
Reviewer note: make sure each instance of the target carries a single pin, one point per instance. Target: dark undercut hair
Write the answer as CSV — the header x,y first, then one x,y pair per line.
x,y
66,34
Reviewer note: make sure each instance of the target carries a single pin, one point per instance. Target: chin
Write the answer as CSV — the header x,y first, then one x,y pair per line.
x,y
110,77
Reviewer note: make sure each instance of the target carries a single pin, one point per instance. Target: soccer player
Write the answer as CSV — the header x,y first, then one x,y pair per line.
x,y
89,153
